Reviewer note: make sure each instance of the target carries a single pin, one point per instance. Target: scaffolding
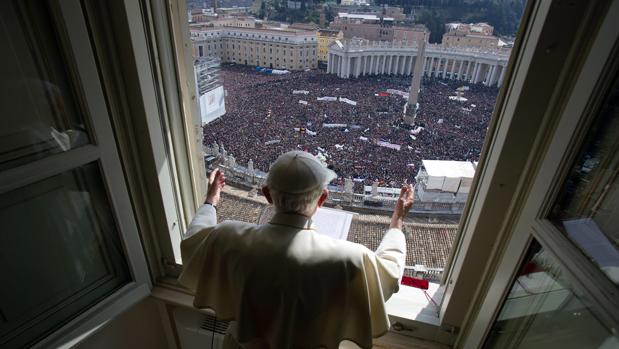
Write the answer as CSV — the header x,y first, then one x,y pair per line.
x,y
207,74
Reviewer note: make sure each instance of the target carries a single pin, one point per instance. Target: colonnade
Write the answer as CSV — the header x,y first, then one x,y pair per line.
x,y
469,66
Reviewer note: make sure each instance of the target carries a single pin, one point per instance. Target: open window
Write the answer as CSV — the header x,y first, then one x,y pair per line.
x,y
249,109
350,115
128,142
531,82
69,243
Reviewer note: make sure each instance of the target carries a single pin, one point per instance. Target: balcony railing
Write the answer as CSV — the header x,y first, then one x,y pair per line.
x,y
251,179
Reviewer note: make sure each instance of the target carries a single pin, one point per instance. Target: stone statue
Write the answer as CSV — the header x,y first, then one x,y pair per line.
x,y
375,188
349,186
215,149
253,191
250,166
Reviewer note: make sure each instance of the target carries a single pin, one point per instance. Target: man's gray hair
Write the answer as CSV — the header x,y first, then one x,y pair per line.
x,y
303,203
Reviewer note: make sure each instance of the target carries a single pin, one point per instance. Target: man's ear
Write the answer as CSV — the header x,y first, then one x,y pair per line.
x,y
267,194
323,197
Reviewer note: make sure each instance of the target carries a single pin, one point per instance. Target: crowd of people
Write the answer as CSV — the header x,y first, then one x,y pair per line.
x,y
265,119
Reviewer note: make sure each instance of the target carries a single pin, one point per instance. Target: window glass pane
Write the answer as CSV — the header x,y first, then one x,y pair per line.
x,y
587,209
38,104
543,310
60,252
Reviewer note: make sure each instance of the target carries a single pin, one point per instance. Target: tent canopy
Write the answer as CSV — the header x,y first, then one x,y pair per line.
x,y
449,176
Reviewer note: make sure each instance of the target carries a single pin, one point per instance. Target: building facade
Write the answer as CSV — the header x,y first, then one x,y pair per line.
x,y
470,35
354,58
211,96
325,38
234,21
272,48
375,28
443,186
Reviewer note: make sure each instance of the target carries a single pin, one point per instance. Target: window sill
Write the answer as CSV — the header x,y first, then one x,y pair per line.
x,y
412,314
96,317
411,303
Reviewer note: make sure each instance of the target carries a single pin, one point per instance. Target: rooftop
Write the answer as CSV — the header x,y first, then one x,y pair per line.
x,y
277,30
445,168
361,16
328,32
427,244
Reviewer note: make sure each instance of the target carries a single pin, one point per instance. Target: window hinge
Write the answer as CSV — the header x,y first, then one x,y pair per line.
x,y
450,329
398,326
171,268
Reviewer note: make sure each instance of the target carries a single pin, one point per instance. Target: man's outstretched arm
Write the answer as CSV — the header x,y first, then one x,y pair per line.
x,y
391,253
206,216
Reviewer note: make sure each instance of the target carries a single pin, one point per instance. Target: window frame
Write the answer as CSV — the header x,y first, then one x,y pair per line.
x,y
477,234
102,150
456,307
568,128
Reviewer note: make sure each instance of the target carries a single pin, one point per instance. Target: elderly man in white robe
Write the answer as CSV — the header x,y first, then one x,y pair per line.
x,y
283,284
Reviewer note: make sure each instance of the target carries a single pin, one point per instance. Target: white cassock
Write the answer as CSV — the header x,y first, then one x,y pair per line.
x,y
285,285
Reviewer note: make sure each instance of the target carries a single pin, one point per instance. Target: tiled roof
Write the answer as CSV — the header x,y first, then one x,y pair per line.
x,y
427,244
232,207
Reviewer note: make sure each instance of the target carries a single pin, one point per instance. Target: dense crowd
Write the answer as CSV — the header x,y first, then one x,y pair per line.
x,y
262,114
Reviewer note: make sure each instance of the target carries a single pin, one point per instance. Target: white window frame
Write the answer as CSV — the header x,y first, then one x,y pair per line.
x,y
180,121
495,195
488,208
559,151
102,150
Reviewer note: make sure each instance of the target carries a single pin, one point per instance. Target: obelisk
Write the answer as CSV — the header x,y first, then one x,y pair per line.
x,y
413,94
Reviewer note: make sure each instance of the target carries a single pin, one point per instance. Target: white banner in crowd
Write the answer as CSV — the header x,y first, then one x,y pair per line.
x,y
388,145
397,92
212,105
363,138
458,98
334,99
273,141
346,100
305,130
302,102
300,92
328,99
334,125
416,130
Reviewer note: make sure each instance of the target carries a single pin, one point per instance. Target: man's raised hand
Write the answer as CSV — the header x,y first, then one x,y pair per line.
x,y
404,204
216,182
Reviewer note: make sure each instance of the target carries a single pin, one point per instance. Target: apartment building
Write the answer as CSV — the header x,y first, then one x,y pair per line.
x,y
291,49
375,28
325,38
478,35
234,21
